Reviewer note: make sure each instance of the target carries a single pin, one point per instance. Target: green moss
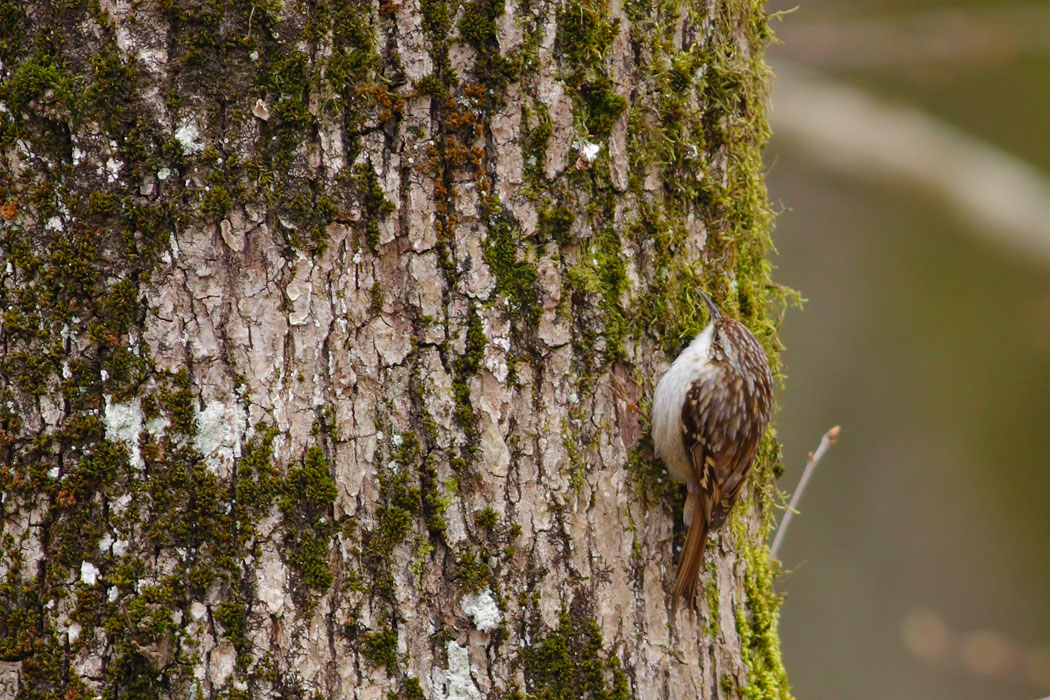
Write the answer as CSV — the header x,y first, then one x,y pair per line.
x,y
477,22
466,365
472,573
393,525
412,690
380,648
20,618
306,504
713,606
585,34
505,255
757,620
373,201
486,518
607,264
534,142
478,26
571,662
437,25
41,85
12,16
556,221
377,298
215,204
32,371
599,106
180,404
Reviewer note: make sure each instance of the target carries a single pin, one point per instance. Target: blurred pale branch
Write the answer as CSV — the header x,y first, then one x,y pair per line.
x,y
906,40
999,197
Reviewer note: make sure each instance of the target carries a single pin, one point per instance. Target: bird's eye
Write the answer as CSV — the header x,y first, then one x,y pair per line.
x,y
718,337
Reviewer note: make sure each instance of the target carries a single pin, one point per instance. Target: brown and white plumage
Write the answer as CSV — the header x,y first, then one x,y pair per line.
x,y
710,410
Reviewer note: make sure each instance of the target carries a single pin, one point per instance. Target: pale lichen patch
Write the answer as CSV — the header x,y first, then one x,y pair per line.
x,y
455,683
123,423
482,609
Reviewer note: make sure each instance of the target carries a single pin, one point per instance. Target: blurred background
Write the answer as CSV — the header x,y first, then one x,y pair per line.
x,y
910,166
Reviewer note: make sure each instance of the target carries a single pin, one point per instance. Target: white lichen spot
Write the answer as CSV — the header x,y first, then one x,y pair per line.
x,y
209,427
113,168
120,547
74,632
197,610
455,683
105,542
482,609
163,174
53,472
155,425
78,155
189,137
123,423
220,429
54,224
88,573
588,151
112,594
261,110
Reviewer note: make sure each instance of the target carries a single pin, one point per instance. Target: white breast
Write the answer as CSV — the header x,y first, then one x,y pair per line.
x,y
668,400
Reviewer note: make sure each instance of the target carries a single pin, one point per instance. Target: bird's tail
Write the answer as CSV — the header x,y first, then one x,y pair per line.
x,y
692,555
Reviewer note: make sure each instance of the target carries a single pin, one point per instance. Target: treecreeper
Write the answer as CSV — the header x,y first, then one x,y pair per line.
x,y
710,410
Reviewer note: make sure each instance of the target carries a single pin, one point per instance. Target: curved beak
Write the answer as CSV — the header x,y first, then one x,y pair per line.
x,y
710,305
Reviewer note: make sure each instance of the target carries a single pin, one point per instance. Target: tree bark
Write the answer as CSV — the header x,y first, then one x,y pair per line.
x,y
311,312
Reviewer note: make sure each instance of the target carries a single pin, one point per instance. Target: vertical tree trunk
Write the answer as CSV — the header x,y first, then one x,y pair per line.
x,y
310,314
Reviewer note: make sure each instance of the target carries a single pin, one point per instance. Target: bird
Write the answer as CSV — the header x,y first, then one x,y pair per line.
x,y
709,412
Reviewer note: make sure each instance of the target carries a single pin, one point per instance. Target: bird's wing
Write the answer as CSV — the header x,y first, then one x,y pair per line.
x,y
705,496
737,448
720,442
697,438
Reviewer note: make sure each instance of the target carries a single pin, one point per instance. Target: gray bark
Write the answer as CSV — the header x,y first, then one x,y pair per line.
x,y
310,315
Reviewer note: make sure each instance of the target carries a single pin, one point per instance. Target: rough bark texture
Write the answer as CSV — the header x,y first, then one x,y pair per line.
x,y
310,311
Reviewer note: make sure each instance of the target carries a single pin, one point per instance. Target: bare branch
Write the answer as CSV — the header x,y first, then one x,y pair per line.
x,y
814,457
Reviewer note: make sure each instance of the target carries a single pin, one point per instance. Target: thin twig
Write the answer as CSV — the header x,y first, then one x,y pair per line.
x,y
825,442
250,15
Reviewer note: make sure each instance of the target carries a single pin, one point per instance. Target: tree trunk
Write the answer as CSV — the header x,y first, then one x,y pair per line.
x,y
310,318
